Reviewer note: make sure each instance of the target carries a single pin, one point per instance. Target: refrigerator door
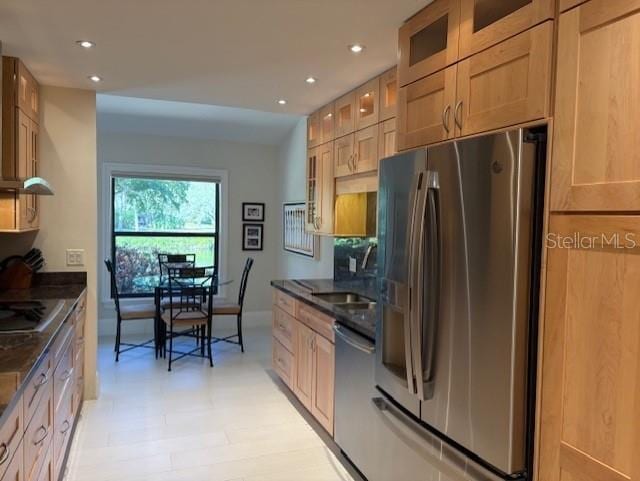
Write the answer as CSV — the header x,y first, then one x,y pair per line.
x,y
399,197
473,354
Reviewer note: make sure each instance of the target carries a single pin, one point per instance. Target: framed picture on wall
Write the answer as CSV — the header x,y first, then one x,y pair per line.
x,y
253,212
252,237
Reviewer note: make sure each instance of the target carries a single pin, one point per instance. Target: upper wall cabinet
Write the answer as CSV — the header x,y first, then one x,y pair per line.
x,y
428,41
313,130
425,110
320,189
387,138
345,114
567,4
327,124
388,94
367,105
596,152
484,23
28,93
506,84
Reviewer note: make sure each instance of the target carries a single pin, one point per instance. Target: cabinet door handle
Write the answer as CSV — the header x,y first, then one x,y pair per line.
x,y
45,433
457,119
33,213
445,118
66,375
44,378
6,452
350,163
66,426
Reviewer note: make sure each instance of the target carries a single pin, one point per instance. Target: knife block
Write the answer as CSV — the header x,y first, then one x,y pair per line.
x,y
16,276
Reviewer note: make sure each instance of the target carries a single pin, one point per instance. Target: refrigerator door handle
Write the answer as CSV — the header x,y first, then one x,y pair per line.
x,y
416,279
413,304
425,322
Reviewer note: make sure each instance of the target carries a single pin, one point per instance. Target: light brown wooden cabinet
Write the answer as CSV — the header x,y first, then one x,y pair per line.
x,y
365,155
308,368
388,94
320,189
313,130
20,145
327,123
596,154
14,469
428,41
343,156
504,85
368,104
484,23
345,114
425,110
589,400
387,139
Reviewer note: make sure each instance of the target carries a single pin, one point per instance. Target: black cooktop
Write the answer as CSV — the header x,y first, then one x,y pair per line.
x,y
28,316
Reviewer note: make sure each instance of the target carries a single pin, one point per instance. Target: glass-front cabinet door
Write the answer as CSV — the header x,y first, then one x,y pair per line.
x,y
313,129
327,123
312,189
388,94
484,23
367,108
428,41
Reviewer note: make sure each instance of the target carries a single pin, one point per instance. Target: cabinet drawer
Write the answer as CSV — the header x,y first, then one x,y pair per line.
x,y
285,302
315,320
62,340
283,325
14,467
10,437
37,388
63,423
507,84
282,362
63,375
37,437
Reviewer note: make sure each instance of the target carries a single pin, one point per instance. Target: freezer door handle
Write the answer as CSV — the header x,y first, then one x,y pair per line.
x,y
450,462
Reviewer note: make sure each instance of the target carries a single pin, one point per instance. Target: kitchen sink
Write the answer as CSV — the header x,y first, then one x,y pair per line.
x,y
342,298
358,306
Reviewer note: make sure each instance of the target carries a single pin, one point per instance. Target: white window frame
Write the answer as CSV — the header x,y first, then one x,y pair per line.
x,y
116,169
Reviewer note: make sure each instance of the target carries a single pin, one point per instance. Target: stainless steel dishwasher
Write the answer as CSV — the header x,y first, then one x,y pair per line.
x,y
355,387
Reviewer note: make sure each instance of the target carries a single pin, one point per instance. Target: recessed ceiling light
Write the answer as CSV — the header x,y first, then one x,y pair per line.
x,y
356,48
85,43
310,80
95,78
282,102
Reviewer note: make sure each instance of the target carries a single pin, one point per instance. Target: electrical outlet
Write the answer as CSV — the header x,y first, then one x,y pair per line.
x,y
75,257
353,264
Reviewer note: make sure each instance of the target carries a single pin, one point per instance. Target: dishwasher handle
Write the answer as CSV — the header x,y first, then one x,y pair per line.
x,y
359,343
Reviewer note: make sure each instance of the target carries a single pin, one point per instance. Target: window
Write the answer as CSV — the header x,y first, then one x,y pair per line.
x,y
156,216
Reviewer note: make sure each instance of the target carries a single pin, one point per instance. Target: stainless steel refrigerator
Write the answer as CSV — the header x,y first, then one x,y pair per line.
x,y
458,265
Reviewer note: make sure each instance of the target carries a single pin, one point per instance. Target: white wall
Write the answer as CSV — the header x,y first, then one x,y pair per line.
x,y
253,177
68,219
291,173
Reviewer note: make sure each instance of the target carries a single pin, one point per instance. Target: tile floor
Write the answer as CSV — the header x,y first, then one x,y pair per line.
x,y
232,422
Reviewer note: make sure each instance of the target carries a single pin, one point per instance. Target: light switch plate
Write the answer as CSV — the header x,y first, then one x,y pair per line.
x,y
75,257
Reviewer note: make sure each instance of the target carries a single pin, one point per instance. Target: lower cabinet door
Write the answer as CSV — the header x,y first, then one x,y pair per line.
x,y
48,473
63,424
323,382
282,361
37,437
590,391
303,371
15,469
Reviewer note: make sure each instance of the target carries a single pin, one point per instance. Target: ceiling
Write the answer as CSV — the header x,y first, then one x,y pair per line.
x,y
240,53
181,119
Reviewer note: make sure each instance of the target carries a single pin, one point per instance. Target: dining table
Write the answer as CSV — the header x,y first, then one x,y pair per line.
x,y
160,286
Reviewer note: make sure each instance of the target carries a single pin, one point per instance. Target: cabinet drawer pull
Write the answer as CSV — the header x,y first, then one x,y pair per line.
x,y
282,327
67,426
455,115
43,380
6,451
45,432
66,374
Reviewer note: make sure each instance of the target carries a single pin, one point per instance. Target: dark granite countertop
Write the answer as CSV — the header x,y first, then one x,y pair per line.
x,y
20,354
363,322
